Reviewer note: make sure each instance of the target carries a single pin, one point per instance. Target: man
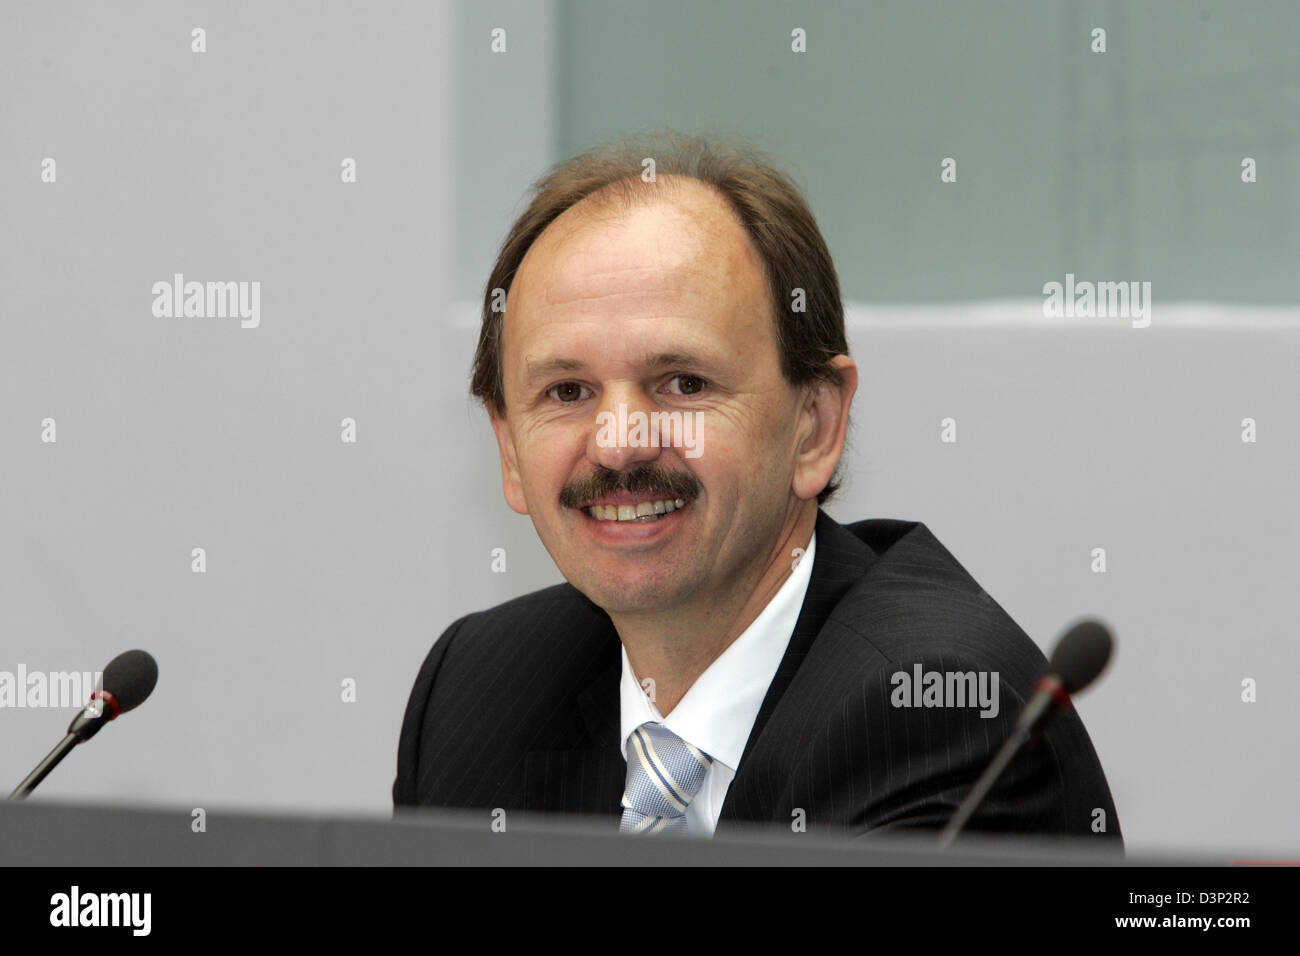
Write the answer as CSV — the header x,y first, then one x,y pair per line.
x,y
723,652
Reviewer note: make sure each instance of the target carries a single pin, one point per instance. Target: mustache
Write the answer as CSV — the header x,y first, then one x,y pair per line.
x,y
648,479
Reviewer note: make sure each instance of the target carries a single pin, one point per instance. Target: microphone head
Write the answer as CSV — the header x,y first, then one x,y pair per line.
x,y
1082,654
130,677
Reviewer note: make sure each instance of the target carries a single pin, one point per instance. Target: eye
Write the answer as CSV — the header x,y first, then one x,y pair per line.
x,y
566,392
688,384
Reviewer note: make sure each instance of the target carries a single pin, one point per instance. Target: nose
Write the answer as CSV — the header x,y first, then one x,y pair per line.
x,y
622,436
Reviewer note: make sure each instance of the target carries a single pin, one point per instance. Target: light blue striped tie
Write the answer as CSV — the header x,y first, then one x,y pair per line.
x,y
664,773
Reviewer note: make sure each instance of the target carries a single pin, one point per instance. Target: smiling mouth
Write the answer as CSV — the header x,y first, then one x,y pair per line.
x,y
644,512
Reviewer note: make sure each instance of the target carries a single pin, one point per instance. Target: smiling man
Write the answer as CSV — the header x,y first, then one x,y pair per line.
x,y
723,652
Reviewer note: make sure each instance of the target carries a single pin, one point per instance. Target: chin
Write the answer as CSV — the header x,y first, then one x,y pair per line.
x,y
626,593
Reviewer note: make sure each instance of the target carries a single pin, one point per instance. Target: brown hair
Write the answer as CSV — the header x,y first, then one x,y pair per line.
x,y
767,203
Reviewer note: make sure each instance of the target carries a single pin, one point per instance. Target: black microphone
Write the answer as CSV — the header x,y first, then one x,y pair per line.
x,y
128,680
1078,660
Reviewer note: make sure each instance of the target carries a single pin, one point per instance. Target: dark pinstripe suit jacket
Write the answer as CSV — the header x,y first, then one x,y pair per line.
x,y
518,706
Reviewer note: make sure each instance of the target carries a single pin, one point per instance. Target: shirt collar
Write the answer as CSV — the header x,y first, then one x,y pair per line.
x,y
718,711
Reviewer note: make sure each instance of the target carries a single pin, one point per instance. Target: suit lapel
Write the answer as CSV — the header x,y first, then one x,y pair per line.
x,y
840,562
588,779
574,781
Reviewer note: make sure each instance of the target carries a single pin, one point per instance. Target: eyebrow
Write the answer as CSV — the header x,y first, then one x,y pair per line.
x,y
660,360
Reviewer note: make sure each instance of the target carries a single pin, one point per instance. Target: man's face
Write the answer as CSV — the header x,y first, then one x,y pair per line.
x,y
663,308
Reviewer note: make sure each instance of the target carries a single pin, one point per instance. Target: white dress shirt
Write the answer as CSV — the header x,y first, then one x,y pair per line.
x,y
718,711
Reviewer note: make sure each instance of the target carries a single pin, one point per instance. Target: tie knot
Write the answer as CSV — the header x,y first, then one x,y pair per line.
x,y
664,773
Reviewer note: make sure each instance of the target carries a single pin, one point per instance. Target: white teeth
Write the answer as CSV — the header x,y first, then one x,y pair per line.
x,y
643,511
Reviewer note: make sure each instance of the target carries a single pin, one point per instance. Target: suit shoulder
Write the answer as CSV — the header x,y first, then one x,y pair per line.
x,y
561,605
543,632
917,602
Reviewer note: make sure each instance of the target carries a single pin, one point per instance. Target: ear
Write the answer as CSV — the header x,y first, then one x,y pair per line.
x,y
513,485
826,423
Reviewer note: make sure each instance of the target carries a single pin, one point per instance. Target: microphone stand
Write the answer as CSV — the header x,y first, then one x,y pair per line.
x,y
43,768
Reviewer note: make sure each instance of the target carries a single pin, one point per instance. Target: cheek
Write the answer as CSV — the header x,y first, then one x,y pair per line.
x,y
547,457
752,433
756,449
726,470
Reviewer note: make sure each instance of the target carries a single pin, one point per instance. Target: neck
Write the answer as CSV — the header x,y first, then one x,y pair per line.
x,y
676,646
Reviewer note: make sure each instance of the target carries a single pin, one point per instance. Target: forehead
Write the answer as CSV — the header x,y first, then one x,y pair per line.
x,y
680,244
